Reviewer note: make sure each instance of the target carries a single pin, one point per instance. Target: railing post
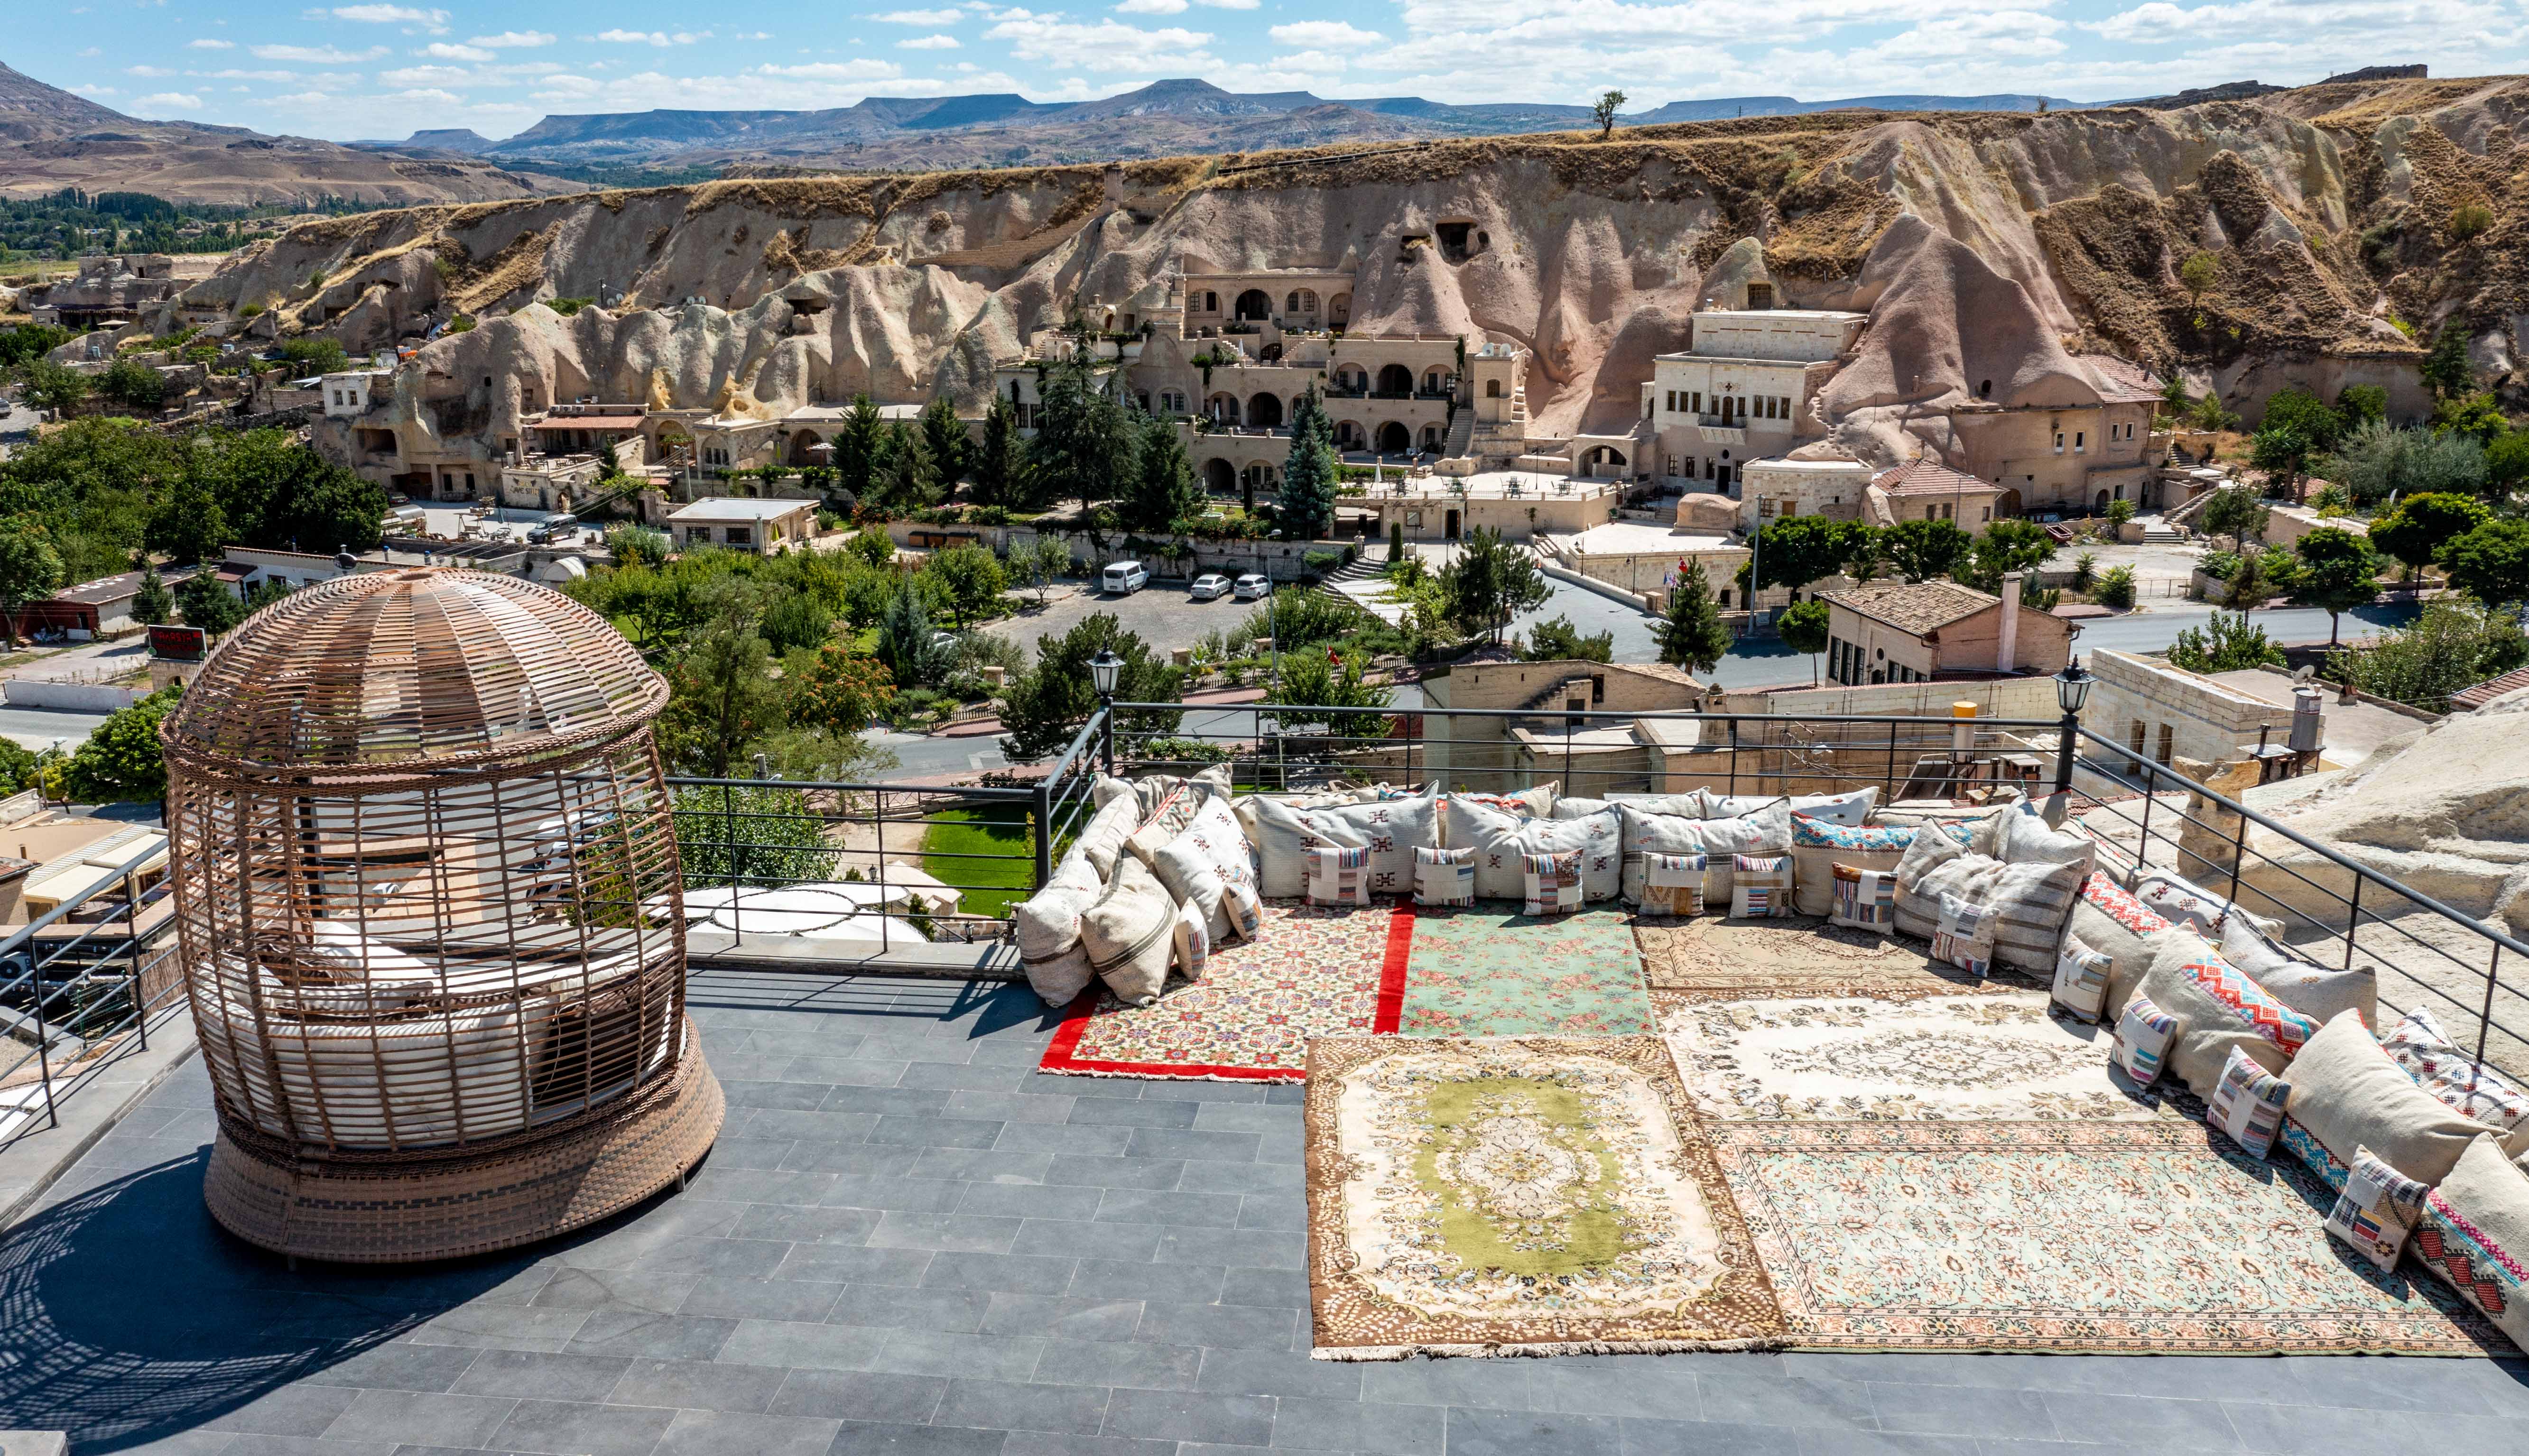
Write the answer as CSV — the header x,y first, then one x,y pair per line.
x,y
728,846
2239,858
132,940
2142,855
2070,732
2353,924
1733,757
2485,1018
1043,831
43,1038
1106,737
1888,775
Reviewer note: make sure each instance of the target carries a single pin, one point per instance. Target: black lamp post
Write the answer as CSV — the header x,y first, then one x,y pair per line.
x,y
1104,670
2071,690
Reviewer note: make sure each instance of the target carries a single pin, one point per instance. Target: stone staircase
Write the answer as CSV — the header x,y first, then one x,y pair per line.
x,y
2158,532
1462,435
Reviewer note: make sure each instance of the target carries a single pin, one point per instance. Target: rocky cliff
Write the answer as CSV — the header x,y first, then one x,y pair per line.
x,y
2346,222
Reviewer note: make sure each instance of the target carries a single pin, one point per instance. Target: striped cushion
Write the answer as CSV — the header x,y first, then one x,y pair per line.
x,y
2249,1105
1338,876
1553,883
2143,1037
1761,885
2378,1207
1964,936
1864,899
1443,877
1673,884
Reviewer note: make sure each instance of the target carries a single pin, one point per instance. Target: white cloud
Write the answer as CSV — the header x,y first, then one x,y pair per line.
x,y
1106,46
168,101
513,40
91,89
1323,34
425,76
234,74
300,98
146,71
316,55
836,71
1229,4
1151,7
652,37
441,50
751,36
918,18
434,20
427,93
928,42
209,44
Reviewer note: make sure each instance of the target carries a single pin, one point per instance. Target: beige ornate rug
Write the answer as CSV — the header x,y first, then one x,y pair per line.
x,y
1988,1058
1711,957
2081,1236
1518,1195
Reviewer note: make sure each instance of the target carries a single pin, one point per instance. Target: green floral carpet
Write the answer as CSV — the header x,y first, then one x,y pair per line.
x,y
1489,971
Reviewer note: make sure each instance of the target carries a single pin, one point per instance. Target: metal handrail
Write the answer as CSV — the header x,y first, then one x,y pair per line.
x,y
23,966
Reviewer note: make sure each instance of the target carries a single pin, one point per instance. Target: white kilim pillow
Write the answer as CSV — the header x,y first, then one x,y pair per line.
x,y
1673,884
1761,885
2143,1035
1193,940
1443,877
2082,979
1864,899
1553,883
1338,877
1964,935
2378,1209
2248,1103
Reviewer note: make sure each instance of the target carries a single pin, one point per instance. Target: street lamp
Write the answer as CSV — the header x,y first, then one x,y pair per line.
x,y
1104,670
2071,690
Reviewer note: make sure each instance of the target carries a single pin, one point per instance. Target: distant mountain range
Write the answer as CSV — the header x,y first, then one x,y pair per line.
x,y
1164,118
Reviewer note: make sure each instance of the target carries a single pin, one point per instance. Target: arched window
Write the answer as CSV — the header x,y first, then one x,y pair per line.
x,y
1302,301
1434,380
1492,389
1255,304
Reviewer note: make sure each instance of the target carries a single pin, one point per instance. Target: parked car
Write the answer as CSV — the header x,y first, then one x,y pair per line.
x,y
1252,587
1209,585
1123,578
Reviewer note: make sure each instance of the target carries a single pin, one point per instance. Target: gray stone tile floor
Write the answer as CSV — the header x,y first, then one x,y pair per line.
x,y
907,1241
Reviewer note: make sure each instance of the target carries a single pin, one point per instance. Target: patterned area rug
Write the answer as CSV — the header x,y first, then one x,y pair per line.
x,y
1518,1196
1711,957
1311,972
2118,1237
1482,973
1985,1058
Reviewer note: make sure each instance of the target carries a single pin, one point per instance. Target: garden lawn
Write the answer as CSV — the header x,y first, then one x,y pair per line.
x,y
1000,828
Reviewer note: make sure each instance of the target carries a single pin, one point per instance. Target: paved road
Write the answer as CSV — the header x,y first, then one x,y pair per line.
x,y
41,728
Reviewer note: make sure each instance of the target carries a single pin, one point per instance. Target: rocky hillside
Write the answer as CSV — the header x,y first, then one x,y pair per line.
x,y
2345,223
51,140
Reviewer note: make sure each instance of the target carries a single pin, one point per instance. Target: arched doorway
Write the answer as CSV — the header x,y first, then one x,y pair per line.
x,y
1349,436
803,449
1436,380
2103,503
1430,437
1265,412
1339,310
1396,379
1259,475
1394,439
1449,527
1492,389
1223,408
676,444
1302,301
1219,476
1351,379
1255,304
1603,460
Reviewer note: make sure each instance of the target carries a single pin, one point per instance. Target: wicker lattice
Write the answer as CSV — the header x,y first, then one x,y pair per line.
x,y
426,892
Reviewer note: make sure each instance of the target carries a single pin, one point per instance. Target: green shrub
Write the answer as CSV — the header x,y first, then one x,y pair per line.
x,y
2469,220
2115,588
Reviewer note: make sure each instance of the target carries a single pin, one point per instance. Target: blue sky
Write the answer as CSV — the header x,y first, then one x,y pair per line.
x,y
383,69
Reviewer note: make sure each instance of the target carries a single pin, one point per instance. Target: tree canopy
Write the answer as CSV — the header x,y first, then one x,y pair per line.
x,y
2417,527
2491,562
1490,582
1309,472
1921,550
1691,632
1045,704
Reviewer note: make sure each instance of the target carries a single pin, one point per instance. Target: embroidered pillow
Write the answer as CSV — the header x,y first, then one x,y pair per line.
x,y
1338,877
1501,841
2111,920
1818,846
2143,1035
1553,883
1199,866
1443,877
2248,1103
2377,1210
1760,886
2082,979
2348,1094
2119,905
2221,1008
2315,991
2453,1078
1129,934
2475,1234
1964,935
2176,899
1673,884
1047,924
1193,940
1768,831
1863,899
1388,829
1851,809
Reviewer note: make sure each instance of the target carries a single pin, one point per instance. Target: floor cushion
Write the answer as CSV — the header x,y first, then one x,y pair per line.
x,y
2081,980
2144,1034
1499,840
1818,846
2223,1008
1164,821
2377,1210
2175,898
1102,838
2303,985
1673,884
2021,836
1390,829
1852,810
2451,1074
2248,1103
1535,802
1964,935
2346,1094
1199,865
1863,899
1550,884
1932,866
2475,1234
2110,920
1129,934
1443,877
1048,923
1760,886
2032,905
1337,876
1191,942
1766,831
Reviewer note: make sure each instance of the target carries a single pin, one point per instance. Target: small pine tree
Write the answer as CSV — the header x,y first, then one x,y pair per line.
x,y
1690,633
904,641
1309,472
153,604
1163,491
908,480
2446,368
999,458
944,436
858,446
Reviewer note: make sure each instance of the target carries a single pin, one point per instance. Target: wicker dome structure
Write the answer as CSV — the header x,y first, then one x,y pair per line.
x,y
415,821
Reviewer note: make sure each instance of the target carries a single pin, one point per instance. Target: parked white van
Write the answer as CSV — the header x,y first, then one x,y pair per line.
x,y
1123,578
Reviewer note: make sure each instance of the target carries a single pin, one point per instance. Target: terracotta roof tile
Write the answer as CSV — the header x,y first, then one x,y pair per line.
x,y
2487,691
1927,477
1912,607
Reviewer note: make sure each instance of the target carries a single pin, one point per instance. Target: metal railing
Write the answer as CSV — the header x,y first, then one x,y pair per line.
x,y
78,985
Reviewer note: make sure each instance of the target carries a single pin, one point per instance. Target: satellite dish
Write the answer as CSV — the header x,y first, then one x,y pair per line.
x,y
2305,673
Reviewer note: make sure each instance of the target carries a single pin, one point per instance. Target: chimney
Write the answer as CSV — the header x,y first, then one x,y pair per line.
x,y
2005,657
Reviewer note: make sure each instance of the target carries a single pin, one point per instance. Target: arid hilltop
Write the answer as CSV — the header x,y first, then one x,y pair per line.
x,y
2346,222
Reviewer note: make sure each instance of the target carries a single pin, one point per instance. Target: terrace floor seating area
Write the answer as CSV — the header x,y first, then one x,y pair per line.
x,y
909,1240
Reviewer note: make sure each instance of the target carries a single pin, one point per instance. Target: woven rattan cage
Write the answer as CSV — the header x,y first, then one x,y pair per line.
x,y
428,905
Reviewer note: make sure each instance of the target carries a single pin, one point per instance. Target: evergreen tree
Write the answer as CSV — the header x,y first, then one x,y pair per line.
x,y
943,435
1690,633
1309,472
208,605
858,448
1000,460
2446,368
904,641
1490,582
1084,446
1163,490
153,604
907,480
